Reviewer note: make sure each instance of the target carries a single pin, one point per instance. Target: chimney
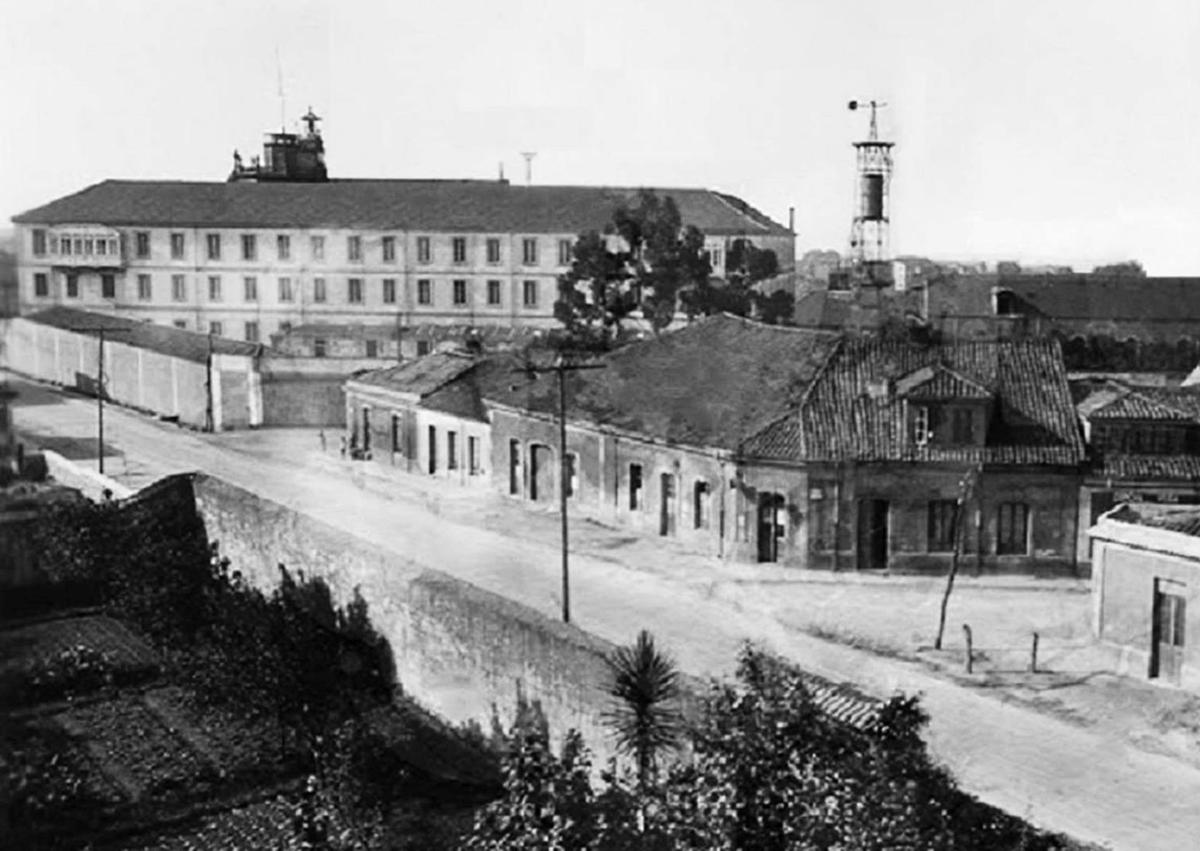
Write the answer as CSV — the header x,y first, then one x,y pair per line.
x,y
792,219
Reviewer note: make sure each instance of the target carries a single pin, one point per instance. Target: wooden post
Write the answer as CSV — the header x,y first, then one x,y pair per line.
x,y
970,661
1033,655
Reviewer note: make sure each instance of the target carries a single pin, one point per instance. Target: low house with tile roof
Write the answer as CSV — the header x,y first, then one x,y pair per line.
x,y
427,415
899,440
653,435
1143,445
1146,590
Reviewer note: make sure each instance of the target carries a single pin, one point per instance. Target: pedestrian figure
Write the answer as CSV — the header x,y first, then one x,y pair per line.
x,y
343,446
322,441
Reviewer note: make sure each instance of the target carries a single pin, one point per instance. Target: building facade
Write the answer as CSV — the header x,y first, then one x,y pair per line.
x,y
269,250
1145,580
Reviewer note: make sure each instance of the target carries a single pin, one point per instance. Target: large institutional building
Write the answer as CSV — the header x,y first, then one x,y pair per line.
x,y
279,244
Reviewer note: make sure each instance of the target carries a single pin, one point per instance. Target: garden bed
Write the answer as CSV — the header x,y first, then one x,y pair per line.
x,y
138,751
260,825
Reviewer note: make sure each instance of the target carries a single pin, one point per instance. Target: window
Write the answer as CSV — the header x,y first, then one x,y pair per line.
x,y
422,348
250,288
921,425
389,249
635,487
1012,529
571,480
372,348
715,257
178,288
144,287
1171,617
354,290
700,506
319,347
529,293
79,246
318,289
214,287
424,291
354,248
41,284
285,289
66,246
962,425
459,244
529,251
316,245
514,467
493,250
108,286
283,246
423,253
141,243
493,292
102,246
213,243
88,244
473,455
251,332
397,433
941,525
564,252
451,450
112,247
216,329
39,242
181,324
249,246
389,290
432,450
176,246
460,292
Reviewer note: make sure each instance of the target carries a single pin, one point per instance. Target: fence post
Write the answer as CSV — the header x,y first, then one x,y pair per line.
x,y
970,661
1033,655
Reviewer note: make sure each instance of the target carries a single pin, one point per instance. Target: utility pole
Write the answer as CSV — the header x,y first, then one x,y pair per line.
x,y
561,368
101,330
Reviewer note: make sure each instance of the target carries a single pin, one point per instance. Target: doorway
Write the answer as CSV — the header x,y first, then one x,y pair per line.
x,y
541,472
366,429
771,525
667,499
873,534
1168,628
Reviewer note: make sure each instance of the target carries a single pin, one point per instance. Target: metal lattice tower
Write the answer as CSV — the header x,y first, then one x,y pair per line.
x,y
872,213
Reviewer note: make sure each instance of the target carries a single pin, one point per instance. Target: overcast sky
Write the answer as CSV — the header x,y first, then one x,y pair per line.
x,y
1042,131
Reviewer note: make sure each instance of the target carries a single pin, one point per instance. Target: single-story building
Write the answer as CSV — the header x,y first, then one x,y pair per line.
x,y
1145,579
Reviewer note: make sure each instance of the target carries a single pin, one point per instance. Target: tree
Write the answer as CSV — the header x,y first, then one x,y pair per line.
x,y
656,259
645,717
1126,269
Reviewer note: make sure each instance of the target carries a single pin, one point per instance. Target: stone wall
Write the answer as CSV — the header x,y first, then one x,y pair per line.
x,y
460,651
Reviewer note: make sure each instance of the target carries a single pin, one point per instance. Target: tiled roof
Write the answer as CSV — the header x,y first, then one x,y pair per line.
x,y
1128,467
1105,297
420,376
940,382
711,383
1117,401
1182,519
434,205
165,339
842,419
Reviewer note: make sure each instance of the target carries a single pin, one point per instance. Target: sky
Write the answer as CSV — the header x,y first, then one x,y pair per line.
x,y
1043,131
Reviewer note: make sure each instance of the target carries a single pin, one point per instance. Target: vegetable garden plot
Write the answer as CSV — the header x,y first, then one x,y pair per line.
x,y
133,744
263,825
25,644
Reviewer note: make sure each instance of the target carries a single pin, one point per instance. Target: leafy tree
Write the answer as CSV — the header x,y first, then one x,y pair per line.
x,y
645,715
1126,269
746,266
657,259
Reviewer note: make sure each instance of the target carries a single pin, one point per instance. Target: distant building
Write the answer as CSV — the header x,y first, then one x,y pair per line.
x,y
395,343
280,244
1146,587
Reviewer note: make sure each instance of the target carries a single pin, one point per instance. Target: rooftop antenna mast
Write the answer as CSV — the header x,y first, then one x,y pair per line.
x,y
529,155
872,214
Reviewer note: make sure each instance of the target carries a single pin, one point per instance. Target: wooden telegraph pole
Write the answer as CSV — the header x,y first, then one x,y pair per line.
x,y
101,330
560,367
